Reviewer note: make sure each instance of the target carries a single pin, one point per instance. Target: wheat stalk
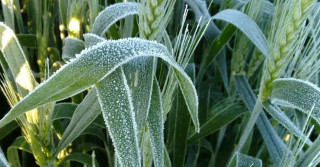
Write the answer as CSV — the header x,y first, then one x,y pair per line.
x,y
285,33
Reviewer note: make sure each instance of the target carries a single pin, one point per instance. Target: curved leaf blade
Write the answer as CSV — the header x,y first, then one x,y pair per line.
x,y
299,94
112,14
246,25
82,158
94,64
71,47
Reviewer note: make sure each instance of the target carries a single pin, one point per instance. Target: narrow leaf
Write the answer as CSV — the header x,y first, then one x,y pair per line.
x,y
216,121
112,14
86,112
281,117
117,110
18,63
296,93
28,40
3,160
155,126
274,144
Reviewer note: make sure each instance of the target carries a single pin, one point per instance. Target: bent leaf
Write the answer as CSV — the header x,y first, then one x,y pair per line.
x,y
246,25
94,64
71,47
242,160
299,94
112,14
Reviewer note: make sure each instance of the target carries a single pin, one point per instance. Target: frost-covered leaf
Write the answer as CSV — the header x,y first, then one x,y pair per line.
x,y
242,160
112,14
3,160
71,47
299,94
117,110
91,39
16,60
85,113
246,25
155,126
139,73
282,118
94,64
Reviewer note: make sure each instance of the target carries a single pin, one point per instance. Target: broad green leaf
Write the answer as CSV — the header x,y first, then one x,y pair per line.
x,y
274,143
94,64
282,118
112,14
82,158
296,93
242,160
27,40
117,110
246,25
18,63
3,160
7,129
85,113
219,118
71,47
155,126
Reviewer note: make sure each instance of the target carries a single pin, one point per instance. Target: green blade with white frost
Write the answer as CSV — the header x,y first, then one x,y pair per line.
x,y
94,64
155,126
117,110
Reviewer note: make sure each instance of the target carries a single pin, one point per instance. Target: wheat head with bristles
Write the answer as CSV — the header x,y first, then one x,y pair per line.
x,y
286,30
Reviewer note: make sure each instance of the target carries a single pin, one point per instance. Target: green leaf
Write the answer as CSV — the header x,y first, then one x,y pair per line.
x,y
182,124
7,129
274,143
281,117
246,25
12,152
18,63
82,158
28,40
112,14
3,160
155,126
94,64
311,156
299,94
117,110
242,160
221,116
71,47
85,113
91,39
